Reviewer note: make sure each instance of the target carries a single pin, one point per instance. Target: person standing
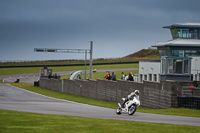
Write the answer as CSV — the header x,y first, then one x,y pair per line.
x,y
106,77
123,76
113,77
79,76
130,77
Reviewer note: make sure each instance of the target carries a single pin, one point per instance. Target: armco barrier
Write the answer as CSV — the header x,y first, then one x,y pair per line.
x,y
152,94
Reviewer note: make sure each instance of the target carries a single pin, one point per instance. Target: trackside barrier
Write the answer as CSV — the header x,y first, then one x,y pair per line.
x,y
152,94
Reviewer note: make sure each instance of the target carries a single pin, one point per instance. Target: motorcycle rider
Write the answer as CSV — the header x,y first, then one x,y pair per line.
x,y
131,96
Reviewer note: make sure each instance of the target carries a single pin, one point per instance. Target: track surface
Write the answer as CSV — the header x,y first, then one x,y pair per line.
x,y
13,98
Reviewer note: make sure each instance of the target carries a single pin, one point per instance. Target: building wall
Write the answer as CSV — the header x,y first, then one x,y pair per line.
x,y
149,71
195,68
152,94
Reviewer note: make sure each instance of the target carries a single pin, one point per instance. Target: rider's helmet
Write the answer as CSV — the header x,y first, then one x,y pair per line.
x,y
136,92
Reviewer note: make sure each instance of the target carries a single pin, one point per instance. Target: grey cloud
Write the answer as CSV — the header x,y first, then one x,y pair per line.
x,y
129,24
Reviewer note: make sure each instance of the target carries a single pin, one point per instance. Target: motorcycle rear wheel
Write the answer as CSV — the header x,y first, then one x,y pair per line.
x,y
132,109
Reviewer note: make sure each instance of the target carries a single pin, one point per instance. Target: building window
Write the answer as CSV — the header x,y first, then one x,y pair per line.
x,y
195,77
163,66
178,53
196,34
141,78
178,66
198,77
191,77
145,77
186,66
180,33
188,33
185,33
174,33
170,66
150,77
190,53
155,77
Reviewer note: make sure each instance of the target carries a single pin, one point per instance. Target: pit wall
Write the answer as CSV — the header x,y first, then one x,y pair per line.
x,y
152,94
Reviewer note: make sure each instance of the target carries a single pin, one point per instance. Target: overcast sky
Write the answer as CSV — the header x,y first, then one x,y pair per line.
x,y
116,27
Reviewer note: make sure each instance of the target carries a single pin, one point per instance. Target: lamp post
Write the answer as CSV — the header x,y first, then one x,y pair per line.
x,y
72,51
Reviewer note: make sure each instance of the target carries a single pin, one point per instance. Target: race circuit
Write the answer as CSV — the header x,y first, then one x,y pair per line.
x,y
14,98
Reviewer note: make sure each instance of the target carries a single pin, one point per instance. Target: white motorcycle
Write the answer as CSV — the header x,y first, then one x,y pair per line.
x,y
130,105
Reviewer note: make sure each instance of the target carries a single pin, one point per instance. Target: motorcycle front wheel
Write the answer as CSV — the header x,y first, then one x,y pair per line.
x,y
132,109
118,111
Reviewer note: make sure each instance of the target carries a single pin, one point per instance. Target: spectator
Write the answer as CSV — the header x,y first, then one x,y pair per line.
x,y
55,76
107,75
42,73
59,76
79,76
123,76
130,77
50,75
113,77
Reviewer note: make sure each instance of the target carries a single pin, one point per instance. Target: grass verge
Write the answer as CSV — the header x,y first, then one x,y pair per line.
x,y
59,95
25,70
17,122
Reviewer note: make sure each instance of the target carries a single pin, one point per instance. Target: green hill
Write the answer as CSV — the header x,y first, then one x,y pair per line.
x,y
145,54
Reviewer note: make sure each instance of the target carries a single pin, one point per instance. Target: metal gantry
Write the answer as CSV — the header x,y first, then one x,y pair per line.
x,y
90,51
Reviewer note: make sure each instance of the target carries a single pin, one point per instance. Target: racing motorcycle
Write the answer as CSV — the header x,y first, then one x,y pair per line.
x,y
130,105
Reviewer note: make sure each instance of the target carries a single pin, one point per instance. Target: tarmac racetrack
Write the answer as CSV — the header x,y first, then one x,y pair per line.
x,y
13,98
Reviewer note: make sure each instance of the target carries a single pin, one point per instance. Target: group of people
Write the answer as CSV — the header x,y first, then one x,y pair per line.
x,y
123,77
127,77
55,76
109,76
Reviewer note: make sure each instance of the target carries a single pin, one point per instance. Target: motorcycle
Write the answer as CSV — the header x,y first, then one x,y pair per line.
x,y
130,105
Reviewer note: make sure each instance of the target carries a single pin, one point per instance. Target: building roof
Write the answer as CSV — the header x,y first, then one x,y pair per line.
x,y
179,42
184,25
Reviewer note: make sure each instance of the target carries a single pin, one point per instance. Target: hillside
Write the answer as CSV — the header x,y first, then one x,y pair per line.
x,y
145,54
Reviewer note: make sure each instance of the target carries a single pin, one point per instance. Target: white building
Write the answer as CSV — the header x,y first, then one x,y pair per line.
x,y
149,71
195,68
180,57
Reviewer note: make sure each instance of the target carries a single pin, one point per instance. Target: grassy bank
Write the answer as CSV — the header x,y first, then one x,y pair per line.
x,y
18,122
25,70
59,95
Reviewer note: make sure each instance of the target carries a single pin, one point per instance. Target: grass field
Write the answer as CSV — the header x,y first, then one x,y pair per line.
x,y
25,70
21,122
